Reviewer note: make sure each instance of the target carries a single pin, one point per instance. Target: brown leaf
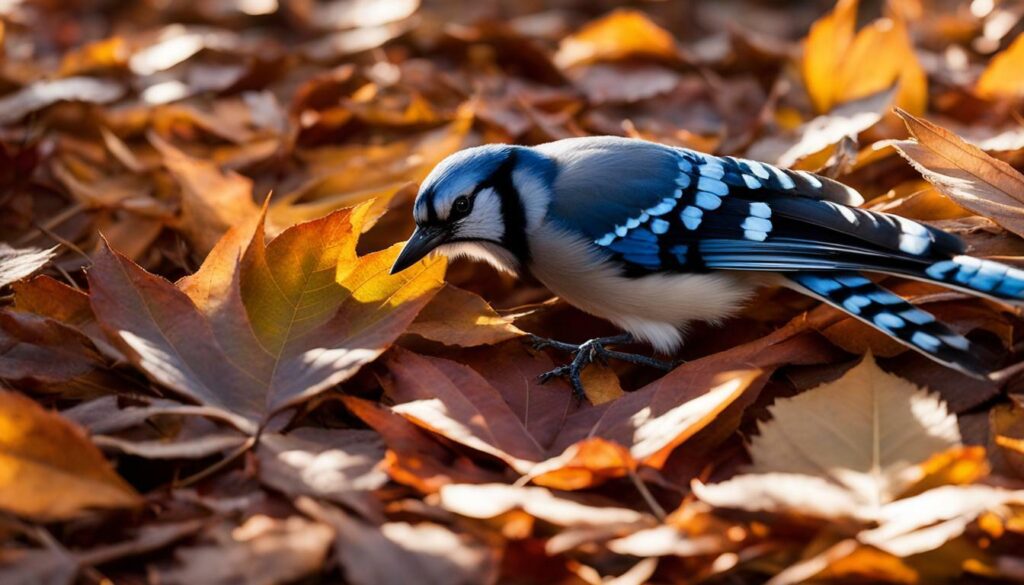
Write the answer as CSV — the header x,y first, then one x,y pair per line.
x,y
50,469
817,134
398,552
459,317
976,181
212,200
855,442
453,400
341,466
413,457
298,316
17,263
262,551
43,350
48,92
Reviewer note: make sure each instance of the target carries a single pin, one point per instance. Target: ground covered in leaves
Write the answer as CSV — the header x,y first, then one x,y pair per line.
x,y
209,376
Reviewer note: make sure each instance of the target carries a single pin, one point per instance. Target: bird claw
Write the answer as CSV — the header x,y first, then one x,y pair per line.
x,y
587,353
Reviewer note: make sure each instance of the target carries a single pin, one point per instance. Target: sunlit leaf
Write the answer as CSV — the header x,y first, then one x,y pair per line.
x,y
1004,76
622,34
976,181
859,438
48,468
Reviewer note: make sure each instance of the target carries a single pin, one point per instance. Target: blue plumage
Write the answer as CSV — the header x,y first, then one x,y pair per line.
x,y
594,217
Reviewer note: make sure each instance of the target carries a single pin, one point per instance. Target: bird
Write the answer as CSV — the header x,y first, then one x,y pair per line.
x,y
652,238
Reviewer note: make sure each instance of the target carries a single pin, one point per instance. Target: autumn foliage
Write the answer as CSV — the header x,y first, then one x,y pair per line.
x,y
208,375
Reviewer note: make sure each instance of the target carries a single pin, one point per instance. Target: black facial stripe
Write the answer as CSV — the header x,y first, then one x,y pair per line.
x,y
432,217
512,211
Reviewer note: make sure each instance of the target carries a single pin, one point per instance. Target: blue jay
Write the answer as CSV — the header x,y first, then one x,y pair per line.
x,y
652,237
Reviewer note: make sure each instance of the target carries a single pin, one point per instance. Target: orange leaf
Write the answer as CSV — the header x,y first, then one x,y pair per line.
x,y
620,35
49,470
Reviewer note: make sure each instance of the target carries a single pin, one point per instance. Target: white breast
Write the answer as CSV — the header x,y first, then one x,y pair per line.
x,y
653,308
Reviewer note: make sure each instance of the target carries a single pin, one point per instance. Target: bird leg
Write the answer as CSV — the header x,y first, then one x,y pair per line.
x,y
589,351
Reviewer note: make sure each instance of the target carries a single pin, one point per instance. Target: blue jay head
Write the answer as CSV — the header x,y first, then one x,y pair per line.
x,y
469,198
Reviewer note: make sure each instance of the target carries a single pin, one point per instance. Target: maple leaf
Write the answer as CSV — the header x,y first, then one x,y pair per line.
x,y
289,320
50,470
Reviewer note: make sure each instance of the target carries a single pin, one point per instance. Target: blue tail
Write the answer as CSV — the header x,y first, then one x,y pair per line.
x,y
854,294
983,277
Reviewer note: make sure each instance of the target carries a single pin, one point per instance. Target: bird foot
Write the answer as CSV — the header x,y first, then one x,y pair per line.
x,y
587,353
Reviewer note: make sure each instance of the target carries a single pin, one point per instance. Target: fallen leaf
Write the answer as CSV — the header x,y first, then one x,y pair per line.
x,y
212,200
343,466
459,317
284,307
976,181
856,442
927,521
1004,76
50,470
846,120
489,501
43,350
48,92
622,34
262,551
18,263
840,66
453,400
398,552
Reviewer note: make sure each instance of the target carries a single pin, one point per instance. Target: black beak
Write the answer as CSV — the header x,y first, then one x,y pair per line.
x,y
422,242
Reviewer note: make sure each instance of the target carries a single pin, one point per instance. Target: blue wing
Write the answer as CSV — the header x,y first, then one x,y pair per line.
x,y
724,213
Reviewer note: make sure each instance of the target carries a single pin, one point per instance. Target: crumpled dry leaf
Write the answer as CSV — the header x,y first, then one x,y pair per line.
x,y
50,470
976,181
212,200
846,120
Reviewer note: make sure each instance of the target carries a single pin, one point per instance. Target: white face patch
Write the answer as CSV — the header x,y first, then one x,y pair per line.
x,y
485,221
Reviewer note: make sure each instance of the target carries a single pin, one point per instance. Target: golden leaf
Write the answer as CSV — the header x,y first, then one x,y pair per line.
x,y
49,469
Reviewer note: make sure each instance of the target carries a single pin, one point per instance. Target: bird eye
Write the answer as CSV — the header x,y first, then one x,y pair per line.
x,y
461,205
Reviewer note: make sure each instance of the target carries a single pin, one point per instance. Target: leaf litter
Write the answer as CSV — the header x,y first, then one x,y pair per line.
x,y
209,376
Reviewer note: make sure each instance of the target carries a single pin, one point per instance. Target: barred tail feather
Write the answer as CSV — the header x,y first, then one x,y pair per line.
x,y
977,276
856,295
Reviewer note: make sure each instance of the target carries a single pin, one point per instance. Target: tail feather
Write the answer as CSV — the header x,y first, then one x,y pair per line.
x,y
856,295
977,276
